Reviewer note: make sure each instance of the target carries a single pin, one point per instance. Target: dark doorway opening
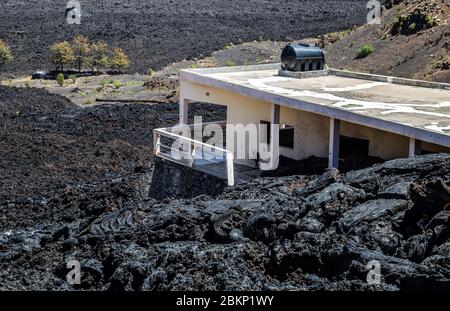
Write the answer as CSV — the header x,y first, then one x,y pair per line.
x,y
353,147
286,134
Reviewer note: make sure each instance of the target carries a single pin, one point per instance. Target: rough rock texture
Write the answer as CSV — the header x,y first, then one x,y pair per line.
x,y
76,184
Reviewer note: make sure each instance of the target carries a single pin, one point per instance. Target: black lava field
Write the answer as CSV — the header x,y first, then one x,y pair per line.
x,y
81,184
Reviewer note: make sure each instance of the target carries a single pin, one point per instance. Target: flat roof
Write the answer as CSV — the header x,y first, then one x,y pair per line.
x,y
391,104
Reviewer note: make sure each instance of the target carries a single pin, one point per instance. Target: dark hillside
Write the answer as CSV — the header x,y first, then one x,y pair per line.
x,y
155,33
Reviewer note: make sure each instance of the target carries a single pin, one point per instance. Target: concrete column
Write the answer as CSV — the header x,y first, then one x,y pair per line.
x,y
184,110
230,169
274,149
333,153
415,147
274,137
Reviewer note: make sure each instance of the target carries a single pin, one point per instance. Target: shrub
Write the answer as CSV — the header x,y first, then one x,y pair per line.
x,y
6,56
62,54
60,79
412,27
150,72
365,50
117,84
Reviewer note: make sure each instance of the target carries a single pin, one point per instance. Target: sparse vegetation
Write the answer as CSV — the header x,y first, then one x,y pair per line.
x,y
88,101
6,56
62,54
412,27
105,82
229,63
228,46
119,60
150,72
117,84
430,21
333,37
73,78
81,53
365,50
442,63
60,79
412,23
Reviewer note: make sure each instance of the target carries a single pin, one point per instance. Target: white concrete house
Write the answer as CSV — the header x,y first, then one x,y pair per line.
x,y
323,115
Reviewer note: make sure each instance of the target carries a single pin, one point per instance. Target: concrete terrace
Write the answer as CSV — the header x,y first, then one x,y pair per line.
x,y
411,108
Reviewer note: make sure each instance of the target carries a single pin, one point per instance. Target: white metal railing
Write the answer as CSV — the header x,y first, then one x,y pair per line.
x,y
191,155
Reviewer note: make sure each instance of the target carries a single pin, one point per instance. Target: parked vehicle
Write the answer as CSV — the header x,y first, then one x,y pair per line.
x,y
40,74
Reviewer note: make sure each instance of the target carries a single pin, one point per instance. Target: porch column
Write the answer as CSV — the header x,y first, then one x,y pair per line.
x,y
333,150
184,110
415,147
275,136
274,147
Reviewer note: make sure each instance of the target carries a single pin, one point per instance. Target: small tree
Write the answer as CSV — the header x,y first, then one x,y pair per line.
x,y
62,54
81,50
119,60
6,56
99,55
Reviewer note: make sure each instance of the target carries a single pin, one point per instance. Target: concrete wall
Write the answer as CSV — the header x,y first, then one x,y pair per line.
x,y
311,130
381,144
434,148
